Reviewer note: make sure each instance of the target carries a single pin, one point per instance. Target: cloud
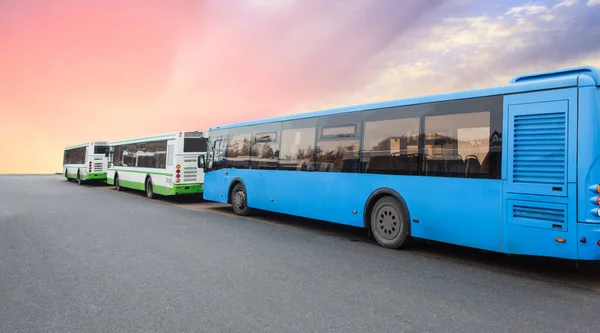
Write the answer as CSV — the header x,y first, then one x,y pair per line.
x,y
592,3
534,9
479,51
527,10
566,3
548,17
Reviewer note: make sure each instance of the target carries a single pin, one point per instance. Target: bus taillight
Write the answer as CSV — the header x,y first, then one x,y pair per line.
x,y
177,175
178,171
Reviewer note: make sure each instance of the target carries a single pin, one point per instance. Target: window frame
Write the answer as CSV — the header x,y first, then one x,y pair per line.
x,y
354,119
299,124
268,128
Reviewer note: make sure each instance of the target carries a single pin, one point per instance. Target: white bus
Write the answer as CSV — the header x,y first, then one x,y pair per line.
x,y
166,164
85,162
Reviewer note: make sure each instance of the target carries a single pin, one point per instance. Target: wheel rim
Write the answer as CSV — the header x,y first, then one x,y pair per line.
x,y
388,222
239,199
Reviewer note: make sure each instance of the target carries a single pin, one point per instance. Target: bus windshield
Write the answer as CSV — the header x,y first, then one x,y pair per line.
x,y
100,149
194,145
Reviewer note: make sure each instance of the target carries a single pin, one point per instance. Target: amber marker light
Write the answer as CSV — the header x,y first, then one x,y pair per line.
x,y
560,240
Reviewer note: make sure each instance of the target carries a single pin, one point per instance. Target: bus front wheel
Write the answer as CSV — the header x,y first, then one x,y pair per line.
x,y
239,201
390,223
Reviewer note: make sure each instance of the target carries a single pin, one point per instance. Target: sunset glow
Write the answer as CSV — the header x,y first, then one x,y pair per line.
x,y
76,71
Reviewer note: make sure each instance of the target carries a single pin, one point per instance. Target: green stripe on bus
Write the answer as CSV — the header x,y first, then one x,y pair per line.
x,y
131,184
158,189
88,176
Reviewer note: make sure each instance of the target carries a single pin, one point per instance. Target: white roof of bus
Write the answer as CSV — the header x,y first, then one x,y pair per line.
x,y
156,137
97,143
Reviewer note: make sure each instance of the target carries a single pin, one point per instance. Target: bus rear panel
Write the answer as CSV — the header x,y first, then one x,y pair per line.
x,y
167,164
85,162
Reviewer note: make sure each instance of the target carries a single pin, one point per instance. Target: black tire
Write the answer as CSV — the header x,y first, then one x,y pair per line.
x,y
117,186
239,200
67,175
149,190
390,223
79,181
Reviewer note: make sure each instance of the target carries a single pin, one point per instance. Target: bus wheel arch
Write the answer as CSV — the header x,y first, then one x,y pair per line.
x,y
238,197
148,187
394,221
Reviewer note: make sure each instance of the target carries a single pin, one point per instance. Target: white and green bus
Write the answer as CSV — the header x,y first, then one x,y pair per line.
x,y
85,162
166,164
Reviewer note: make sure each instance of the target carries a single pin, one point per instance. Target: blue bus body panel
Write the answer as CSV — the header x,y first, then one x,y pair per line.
x,y
459,211
590,250
589,154
544,203
588,160
540,159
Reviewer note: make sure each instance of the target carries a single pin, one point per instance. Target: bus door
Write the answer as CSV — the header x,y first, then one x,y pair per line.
x,y
539,171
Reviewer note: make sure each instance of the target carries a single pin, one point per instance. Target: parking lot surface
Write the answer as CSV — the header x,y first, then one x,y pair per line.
x,y
88,258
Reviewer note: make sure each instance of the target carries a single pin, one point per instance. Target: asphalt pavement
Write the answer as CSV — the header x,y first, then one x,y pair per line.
x,y
90,259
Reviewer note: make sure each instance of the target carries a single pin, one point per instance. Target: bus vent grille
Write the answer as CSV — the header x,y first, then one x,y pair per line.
x,y
539,148
190,174
554,215
97,166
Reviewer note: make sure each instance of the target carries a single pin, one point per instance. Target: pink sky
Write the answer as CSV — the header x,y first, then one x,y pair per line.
x,y
74,71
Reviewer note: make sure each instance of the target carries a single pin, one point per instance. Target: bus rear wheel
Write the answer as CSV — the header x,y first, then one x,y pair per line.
x,y
117,186
390,224
239,201
149,191
79,181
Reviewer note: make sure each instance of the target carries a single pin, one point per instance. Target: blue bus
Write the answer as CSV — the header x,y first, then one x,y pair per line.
x,y
512,169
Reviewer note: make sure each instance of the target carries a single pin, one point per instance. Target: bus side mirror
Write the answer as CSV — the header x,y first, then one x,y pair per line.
x,y
201,162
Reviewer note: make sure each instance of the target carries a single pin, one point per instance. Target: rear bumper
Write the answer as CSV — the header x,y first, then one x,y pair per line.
x,y
180,189
95,176
590,249
188,188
